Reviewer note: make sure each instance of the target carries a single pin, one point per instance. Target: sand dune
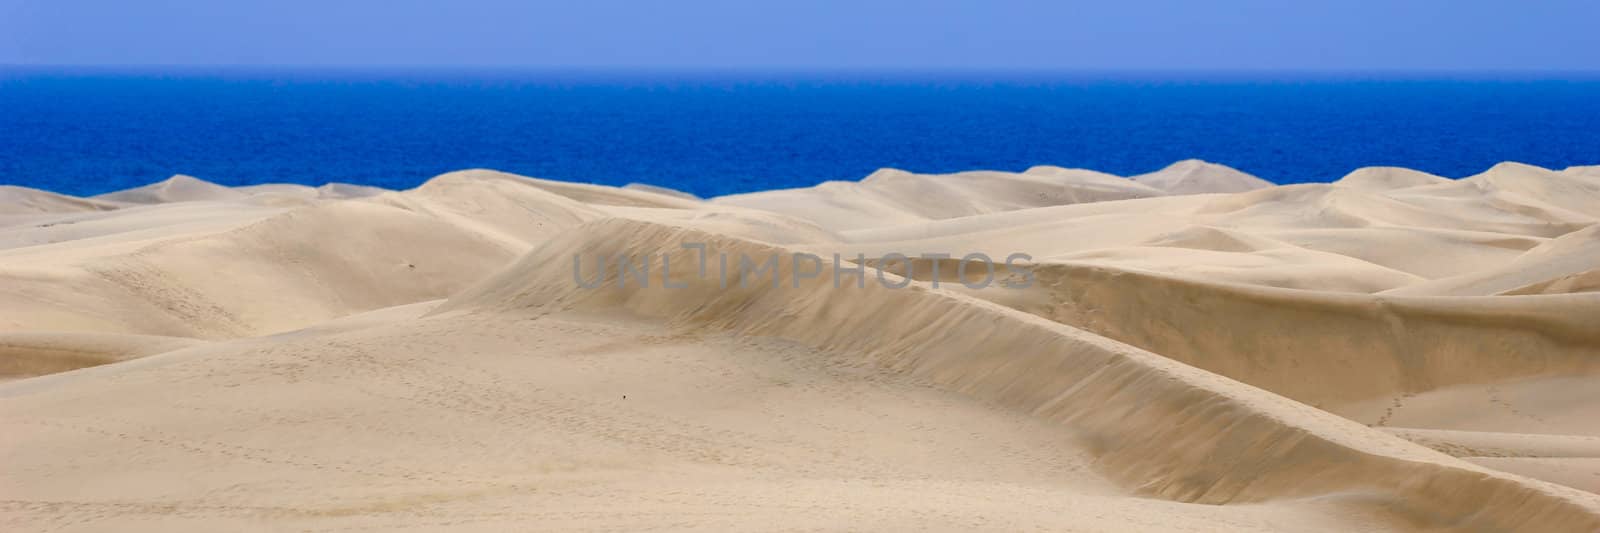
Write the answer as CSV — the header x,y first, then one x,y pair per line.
x,y
1194,176
660,190
286,194
891,196
1576,194
16,201
1561,265
179,188
137,271
148,270
98,231
1000,356
1388,178
1191,349
28,354
288,270
1343,347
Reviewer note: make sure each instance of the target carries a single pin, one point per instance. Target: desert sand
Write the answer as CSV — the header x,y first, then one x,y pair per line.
x,y
1193,349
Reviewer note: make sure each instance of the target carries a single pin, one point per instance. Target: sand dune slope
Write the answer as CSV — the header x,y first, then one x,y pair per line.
x,y
1200,278
31,354
1574,193
1000,356
179,188
103,232
286,271
1388,178
567,421
1566,264
660,190
17,201
1322,348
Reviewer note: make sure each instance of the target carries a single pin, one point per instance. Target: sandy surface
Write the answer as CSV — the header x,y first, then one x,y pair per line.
x,y
1188,350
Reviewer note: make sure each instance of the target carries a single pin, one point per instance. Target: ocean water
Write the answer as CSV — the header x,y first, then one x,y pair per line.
x,y
87,131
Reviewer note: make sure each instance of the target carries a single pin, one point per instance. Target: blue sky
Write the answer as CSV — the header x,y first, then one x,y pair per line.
x,y
926,34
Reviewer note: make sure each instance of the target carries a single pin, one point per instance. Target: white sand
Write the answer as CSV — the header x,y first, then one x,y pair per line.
x,y
1195,176
1198,351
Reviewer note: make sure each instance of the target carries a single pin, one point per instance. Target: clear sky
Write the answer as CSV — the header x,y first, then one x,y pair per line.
x,y
1063,34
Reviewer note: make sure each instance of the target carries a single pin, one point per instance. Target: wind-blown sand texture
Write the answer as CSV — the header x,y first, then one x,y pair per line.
x,y
1198,350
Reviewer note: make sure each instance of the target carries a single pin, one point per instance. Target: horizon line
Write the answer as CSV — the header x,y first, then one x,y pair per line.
x,y
813,68
996,72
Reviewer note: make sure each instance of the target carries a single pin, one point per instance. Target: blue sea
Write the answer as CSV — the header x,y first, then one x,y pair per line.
x,y
92,130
